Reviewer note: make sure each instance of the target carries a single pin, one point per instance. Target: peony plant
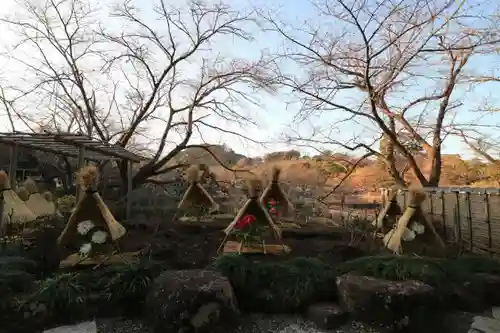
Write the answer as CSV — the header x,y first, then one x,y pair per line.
x,y
273,208
248,231
93,238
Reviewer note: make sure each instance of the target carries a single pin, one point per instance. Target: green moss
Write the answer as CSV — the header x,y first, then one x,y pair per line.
x,y
277,287
398,268
434,271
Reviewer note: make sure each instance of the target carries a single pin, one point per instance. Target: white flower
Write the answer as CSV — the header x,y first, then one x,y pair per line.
x,y
408,235
84,227
418,228
85,250
99,237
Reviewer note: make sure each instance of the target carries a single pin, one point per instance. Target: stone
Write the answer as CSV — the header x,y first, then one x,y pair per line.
x,y
467,296
326,315
491,286
403,306
86,327
190,301
486,325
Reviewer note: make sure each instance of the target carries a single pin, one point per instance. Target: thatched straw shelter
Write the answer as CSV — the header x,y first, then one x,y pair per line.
x,y
92,208
13,210
51,205
253,206
388,215
196,196
35,201
273,191
412,224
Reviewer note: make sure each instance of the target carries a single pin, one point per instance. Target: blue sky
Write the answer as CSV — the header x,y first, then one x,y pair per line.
x,y
276,115
296,12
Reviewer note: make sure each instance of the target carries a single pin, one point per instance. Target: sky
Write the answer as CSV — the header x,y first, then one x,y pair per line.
x,y
277,111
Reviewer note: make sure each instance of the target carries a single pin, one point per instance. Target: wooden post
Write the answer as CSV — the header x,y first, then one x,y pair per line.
x,y
2,225
469,221
458,223
13,166
443,214
80,165
129,190
488,220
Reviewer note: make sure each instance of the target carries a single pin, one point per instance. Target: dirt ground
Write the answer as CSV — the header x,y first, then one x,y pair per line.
x,y
194,246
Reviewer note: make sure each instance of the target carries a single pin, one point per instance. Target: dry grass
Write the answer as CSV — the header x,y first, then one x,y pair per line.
x,y
302,172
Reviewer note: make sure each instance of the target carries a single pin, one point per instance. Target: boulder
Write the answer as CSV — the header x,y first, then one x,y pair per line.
x,y
190,301
479,293
86,327
468,296
403,306
491,287
326,315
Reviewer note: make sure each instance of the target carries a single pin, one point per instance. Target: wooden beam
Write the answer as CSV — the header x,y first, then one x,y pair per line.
x,y
13,166
3,222
129,190
80,165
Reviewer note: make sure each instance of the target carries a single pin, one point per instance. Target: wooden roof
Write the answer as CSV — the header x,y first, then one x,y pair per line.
x,y
69,145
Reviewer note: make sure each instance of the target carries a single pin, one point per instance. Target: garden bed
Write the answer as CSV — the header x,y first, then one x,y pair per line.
x,y
290,286
316,280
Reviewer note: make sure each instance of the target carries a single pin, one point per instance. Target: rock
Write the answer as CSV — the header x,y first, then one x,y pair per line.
x,y
406,306
491,287
190,301
457,322
476,295
467,296
327,315
86,327
486,325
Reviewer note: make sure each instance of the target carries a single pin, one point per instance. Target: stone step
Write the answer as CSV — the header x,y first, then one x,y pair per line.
x,y
85,327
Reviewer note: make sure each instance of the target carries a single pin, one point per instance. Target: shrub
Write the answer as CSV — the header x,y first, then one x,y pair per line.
x,y
15,278
277,287
43,247
63,297
397,268
126,286
12,246
470,264
446,275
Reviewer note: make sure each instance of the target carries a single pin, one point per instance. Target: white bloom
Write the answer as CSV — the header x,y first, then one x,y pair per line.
x,y
418,228
99,237
408,235
85,249
84,227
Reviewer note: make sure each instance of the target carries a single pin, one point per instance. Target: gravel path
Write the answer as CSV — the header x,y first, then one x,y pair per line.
x,y
257,323
249,324
289,324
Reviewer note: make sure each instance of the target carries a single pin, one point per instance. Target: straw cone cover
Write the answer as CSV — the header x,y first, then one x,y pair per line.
x,y
36,202
14,209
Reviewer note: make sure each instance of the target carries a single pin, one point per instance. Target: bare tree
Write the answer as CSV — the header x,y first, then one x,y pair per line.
x,y
122,85
484,147
389,68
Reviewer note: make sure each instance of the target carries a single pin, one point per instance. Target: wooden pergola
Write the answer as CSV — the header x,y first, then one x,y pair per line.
x,y
79,146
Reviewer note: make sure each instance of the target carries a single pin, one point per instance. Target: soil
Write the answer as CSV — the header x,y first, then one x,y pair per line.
x,y
185,246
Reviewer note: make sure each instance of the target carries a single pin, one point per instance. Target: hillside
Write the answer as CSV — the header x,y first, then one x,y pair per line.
x,y
368,177
325,171
201,156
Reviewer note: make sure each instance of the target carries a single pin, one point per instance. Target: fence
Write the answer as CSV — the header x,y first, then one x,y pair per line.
x,y
470,217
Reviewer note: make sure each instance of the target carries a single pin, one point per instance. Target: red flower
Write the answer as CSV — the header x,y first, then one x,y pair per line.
x,y
273,210
245,221
272,202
